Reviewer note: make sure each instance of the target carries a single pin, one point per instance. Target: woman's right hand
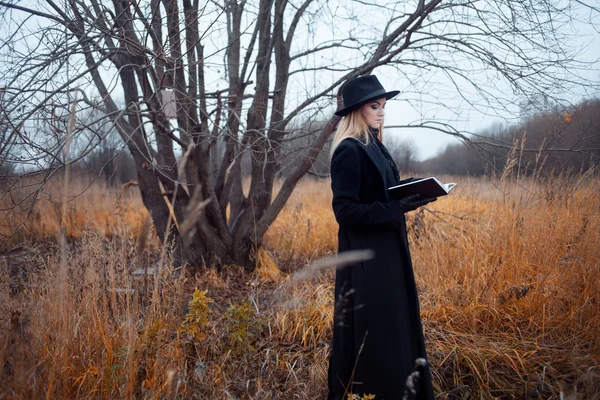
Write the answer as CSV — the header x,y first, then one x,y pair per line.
x,y
414,201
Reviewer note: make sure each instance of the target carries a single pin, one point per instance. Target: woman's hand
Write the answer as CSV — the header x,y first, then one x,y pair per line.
x,y
414,201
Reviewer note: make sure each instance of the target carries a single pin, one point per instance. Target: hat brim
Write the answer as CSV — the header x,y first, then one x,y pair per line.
x,y
373,96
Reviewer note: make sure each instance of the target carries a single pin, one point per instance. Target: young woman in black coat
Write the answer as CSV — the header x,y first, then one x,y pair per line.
x,y
378,340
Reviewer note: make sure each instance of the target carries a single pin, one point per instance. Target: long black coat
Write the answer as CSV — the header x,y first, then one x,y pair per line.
x,y
376,302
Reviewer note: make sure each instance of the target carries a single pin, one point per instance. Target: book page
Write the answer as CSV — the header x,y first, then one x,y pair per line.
x,y
436,181
449,186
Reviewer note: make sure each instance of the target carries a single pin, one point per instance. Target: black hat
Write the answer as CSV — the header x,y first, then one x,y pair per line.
x,y
361,90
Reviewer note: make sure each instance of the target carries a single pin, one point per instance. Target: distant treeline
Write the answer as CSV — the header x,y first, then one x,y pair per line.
x,y
113,165
543,143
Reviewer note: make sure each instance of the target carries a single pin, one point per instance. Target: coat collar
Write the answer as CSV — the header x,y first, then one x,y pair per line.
x,y
374,154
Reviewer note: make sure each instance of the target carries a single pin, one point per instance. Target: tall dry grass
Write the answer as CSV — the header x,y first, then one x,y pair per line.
x,y
32,211
507,270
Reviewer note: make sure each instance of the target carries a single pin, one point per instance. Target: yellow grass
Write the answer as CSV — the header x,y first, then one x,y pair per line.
x,y
96,206
507,272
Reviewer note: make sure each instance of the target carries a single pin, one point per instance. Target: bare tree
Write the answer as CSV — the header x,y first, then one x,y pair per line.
x,y
567,142
298,141
7,140
109,159
242,72
403,151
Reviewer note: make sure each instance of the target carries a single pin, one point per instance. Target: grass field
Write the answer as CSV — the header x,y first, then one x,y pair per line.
x,y
507,270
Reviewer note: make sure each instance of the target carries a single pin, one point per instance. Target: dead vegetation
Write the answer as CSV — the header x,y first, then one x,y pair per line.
x,y
507,271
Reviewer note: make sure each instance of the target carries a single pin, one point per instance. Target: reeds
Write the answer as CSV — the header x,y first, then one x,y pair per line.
x,y
507,271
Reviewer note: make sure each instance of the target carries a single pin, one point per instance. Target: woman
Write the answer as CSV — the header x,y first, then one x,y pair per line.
x,y
377,336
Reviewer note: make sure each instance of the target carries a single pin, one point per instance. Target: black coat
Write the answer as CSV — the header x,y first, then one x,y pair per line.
x,y
376,302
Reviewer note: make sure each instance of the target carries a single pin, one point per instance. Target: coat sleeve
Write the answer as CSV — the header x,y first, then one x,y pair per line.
x,y
345,184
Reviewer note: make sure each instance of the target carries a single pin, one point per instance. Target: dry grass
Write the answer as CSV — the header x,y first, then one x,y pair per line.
x,y
507,271
90,206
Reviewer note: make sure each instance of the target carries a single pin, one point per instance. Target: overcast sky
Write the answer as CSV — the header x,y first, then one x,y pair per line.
x,y
419,95
428,142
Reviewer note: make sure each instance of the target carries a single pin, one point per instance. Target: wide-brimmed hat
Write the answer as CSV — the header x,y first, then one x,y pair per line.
x,y
361,90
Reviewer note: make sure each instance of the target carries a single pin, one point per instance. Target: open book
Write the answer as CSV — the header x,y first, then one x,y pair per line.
x,y
426,187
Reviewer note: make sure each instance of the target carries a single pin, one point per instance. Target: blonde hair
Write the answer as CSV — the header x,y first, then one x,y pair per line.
x,y
353,125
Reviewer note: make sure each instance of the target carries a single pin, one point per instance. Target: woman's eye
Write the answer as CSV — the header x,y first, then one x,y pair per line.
x,y
374,107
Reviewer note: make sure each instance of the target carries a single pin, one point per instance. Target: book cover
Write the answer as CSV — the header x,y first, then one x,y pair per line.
x,y
426,187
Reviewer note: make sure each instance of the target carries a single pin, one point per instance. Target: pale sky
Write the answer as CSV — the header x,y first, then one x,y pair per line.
x,y
401,111
416,102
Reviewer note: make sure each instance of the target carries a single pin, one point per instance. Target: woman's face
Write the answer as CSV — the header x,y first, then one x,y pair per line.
x,y
373,112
